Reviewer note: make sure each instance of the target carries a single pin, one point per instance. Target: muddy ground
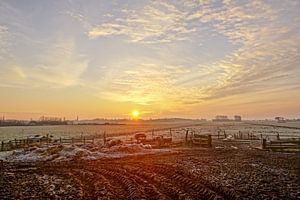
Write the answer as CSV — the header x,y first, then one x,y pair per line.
x,y
187,173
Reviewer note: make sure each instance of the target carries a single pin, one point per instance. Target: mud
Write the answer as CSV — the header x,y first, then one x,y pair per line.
x,y
198,173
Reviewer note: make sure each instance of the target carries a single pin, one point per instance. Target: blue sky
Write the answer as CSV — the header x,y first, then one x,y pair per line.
x,y
188,58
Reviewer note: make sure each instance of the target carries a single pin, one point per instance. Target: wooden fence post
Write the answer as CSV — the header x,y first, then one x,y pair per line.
x,y
209,141
191,138
278,137
10,145
186,136
2,146
104,137
264,143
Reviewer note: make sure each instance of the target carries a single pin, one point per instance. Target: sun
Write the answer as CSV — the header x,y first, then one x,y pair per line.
x,y
135,114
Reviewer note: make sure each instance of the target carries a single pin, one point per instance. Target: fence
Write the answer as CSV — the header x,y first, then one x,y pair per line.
x,y
74,140
200,140
282,145
23,143
16,144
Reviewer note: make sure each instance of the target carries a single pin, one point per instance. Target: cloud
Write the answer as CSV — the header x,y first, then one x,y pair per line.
x,y
269,46
106,30
250,47
148,84
57,65
266,52
159,21
60,65
4,41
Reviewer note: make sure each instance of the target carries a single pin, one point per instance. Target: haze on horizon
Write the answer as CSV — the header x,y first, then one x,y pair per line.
x,y
183,58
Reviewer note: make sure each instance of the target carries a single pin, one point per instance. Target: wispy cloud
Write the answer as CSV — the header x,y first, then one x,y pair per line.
x,y
149,53
266,53
159,21
4,38
269,46
152,84
57,65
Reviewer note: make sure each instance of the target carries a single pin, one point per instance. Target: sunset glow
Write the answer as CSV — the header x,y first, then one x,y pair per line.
x,y
135,114
149,99
183,58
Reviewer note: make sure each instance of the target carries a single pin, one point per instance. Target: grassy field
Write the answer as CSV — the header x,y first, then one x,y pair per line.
x,y
68,131
270,129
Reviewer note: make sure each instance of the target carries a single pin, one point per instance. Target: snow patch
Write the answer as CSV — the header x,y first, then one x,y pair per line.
x,y
60,152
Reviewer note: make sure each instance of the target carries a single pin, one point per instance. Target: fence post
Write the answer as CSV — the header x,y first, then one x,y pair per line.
x,y
2,145
278,137
209,141
191,138
186,136
10,145
104,137
264,144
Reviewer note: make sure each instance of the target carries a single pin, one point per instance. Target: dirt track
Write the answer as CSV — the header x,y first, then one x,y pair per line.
x,y
188,174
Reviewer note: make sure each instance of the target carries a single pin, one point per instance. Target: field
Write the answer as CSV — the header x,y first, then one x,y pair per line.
x,y
231,169
186,174
68,131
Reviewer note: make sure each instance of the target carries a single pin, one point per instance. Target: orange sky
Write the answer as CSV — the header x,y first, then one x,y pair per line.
x,y
165,58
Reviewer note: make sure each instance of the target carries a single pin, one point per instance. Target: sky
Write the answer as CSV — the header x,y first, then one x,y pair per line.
x,y
164,58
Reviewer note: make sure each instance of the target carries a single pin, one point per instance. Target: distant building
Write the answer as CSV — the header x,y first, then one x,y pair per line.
x,y
237,118
280,119
221,118
50,119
